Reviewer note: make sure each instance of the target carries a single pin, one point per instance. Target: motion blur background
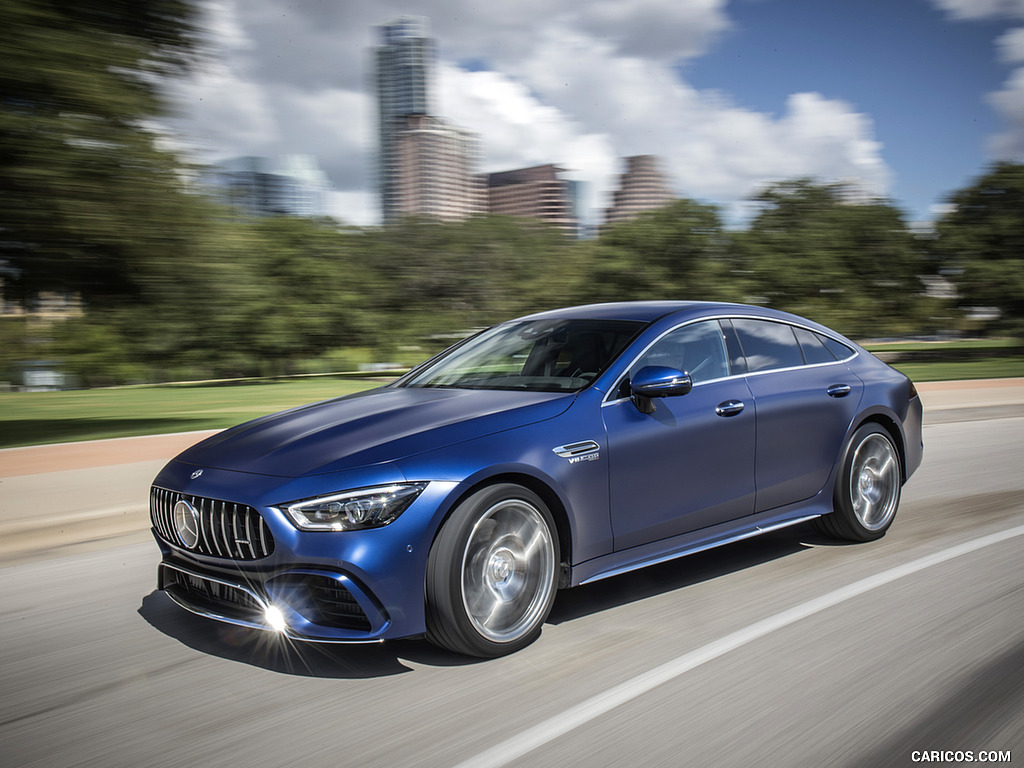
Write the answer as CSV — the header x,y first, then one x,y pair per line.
x,y
119,266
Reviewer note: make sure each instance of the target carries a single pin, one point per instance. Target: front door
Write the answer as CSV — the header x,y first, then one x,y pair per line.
x,y
690,463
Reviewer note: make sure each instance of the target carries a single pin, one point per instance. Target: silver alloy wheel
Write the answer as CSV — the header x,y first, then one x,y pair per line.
x,y
508,570
875,482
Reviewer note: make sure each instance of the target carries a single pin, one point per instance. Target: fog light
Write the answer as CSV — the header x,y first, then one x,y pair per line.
x,y
275,619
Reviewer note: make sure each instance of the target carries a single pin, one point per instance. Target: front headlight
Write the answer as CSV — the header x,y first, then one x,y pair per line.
x,y
354,510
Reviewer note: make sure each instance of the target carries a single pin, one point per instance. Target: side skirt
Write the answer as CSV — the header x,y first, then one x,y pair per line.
x,y
632,559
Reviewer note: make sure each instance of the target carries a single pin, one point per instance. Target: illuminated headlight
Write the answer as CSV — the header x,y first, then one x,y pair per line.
x,y
354,510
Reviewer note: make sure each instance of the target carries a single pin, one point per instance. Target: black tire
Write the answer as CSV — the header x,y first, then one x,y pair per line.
x,y
492,573
867,492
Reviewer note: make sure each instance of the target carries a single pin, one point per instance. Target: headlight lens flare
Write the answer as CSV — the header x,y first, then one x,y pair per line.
x,y
275,619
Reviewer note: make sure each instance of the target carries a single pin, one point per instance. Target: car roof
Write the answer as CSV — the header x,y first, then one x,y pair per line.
x,y
638,311
649,312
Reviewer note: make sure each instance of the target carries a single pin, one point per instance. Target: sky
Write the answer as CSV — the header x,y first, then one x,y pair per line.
x,y
908,100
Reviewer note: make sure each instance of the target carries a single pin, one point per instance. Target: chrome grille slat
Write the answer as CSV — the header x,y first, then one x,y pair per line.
x,y
263,534
223,528
249,536
226,529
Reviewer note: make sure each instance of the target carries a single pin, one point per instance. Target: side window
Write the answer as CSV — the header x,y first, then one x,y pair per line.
x,y
837,348
698,349
768,345
814,349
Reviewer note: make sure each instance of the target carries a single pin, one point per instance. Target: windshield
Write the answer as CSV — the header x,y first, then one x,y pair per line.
x,y
555,355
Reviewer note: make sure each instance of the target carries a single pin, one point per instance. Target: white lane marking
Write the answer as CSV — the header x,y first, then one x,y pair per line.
x,y
594,707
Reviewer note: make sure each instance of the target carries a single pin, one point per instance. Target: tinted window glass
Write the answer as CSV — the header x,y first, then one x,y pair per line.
x,y
737,363
768,345
698,349
539,355
837,348
814,349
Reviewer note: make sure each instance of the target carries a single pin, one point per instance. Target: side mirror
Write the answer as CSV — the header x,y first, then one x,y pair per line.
x,y
658,381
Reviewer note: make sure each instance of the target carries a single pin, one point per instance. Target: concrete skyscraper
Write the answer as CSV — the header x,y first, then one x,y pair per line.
x,y
643,187
426,166
537,193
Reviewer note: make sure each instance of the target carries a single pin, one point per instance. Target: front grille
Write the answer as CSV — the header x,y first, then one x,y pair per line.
x,y
233,531
322,600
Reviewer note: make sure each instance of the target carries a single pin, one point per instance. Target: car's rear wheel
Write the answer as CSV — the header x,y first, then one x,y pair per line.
x,y
492,573
867,492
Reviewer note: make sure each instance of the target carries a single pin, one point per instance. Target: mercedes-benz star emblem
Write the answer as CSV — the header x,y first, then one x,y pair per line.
x,y
186,524
197,473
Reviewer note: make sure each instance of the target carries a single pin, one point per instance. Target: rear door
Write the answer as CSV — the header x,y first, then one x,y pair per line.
x,y
805,400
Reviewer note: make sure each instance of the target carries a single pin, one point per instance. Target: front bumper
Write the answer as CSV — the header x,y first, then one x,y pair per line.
x,y
251,567
311,605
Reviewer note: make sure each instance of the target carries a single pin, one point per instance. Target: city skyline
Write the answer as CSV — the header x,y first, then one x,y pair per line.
x,y
911,100
425,164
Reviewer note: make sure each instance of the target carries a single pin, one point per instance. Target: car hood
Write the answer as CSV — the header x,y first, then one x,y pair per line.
x,y
368,428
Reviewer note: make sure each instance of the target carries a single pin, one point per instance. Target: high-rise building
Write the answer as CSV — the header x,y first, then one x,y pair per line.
x,y
291,185
536,192
643,187
426,165
433,170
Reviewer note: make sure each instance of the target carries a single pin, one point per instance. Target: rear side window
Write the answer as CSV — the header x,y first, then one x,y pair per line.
x,y
837,348
768,346
813,347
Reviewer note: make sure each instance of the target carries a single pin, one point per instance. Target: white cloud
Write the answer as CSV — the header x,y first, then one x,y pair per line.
x,y
713,149
1009,101
1011,46
666,30
981,9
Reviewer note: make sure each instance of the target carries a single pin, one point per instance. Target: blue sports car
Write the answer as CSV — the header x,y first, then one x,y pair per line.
x,y
540,454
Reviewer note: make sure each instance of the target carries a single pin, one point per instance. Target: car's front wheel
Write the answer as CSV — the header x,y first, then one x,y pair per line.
x,y
492,573
867,492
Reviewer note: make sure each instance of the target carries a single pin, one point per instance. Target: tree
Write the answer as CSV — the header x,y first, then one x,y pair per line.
x,y
677,251
88,196
441,278
850,264
981,241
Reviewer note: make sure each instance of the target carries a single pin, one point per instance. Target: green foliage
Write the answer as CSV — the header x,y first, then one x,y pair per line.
x,y
852,265
982,244
680,251
436,278
87,194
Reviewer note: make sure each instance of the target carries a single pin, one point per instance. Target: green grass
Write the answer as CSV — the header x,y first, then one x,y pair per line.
x,y
31,418
956,370
940,346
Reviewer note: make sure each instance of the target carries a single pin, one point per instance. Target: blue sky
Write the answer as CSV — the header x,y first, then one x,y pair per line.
x,y
894,96
920,76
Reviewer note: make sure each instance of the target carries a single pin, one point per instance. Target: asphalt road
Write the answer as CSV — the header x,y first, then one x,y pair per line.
x,y
787,650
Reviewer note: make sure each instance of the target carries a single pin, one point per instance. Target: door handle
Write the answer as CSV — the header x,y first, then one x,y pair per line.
x,y
729,408
838,390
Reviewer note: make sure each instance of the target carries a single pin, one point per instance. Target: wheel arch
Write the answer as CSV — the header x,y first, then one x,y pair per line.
x,y
892,428
547,494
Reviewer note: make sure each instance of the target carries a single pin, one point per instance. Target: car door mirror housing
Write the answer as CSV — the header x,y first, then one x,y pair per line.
x,y
660,381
